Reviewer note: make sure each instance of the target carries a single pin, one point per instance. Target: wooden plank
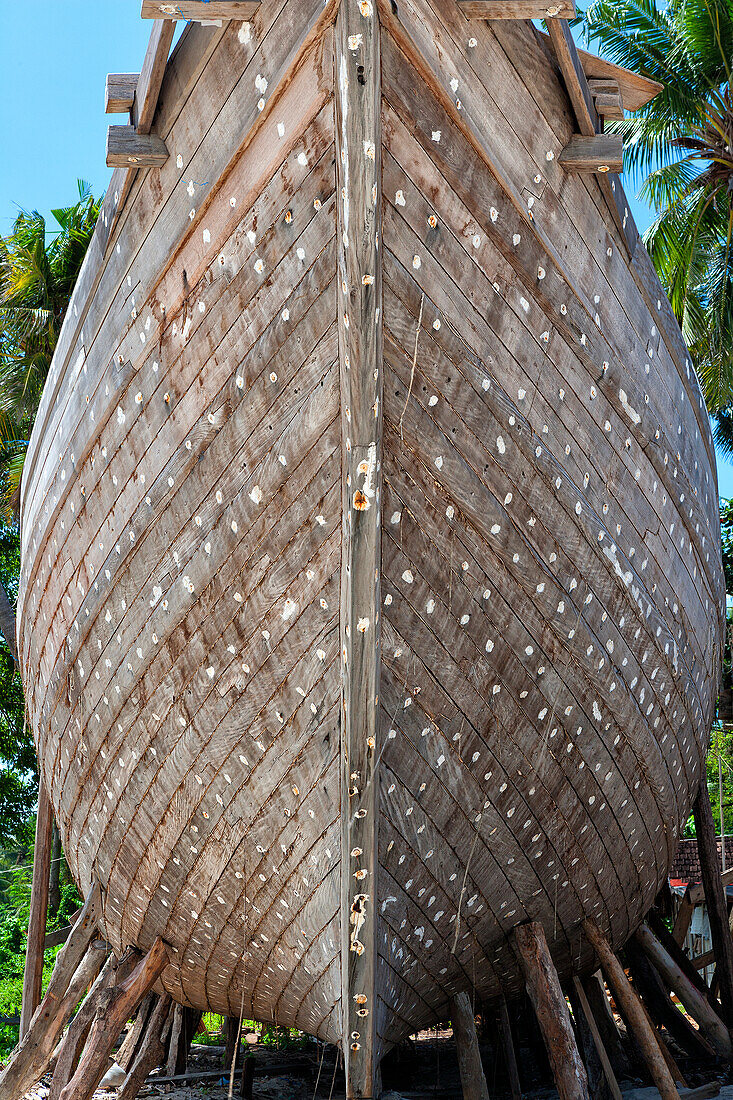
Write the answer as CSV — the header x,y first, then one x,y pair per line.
x,y
201,10
551,1009
152,1050
633,1010
573,75
597,1040
609,105
359,220
717,906
695,1003
151,75
119,92
473,1079
636,90
127,148
600,153
33,972
517,9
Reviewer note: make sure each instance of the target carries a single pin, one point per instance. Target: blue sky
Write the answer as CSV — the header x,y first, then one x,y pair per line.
x,y
53,67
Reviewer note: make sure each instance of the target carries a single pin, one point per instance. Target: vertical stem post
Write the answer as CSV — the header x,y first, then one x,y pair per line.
x,y
359,241
33,974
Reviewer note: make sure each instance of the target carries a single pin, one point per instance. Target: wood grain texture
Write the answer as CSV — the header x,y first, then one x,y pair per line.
x,y
516,9
551,1010
119,92
600,153
371,475
199,9
33,971
358,105
150,80
127,148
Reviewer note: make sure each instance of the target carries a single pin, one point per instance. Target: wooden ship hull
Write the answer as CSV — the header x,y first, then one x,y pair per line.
x,y
371,596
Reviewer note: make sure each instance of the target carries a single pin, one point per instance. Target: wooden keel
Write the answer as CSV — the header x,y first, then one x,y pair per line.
x,y
358,160
112,1012
715,899
633,1011
33,973
543,986
473,1079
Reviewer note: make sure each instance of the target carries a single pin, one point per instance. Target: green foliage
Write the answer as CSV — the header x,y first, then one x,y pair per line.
x,y
38,269
680,144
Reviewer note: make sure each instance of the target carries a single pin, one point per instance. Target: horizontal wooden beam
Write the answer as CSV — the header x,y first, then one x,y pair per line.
x,y
199,10
126,148
119,92
599,153
609,106
518,9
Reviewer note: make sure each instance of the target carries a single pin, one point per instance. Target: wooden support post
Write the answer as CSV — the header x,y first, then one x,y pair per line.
x,y
543,986
33,973
473,1080
715,899
507,1045
112,1012
126,1054
248,1076
32,1057
595,992
517,9
656,996
152,1049
684,918
584,1009
673,949
633,1010
359,238
112,972
702,1012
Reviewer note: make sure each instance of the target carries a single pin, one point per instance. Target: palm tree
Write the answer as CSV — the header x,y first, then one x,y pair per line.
x,y
38,269
681,146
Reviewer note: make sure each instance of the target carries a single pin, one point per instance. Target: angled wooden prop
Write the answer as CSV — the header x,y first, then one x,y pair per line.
x,y
77,966
473,1080
715,898
359,167
204,10
633,1010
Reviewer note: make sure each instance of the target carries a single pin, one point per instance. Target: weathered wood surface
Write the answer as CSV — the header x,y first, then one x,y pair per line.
x,y
200,9
463,1022
517,9
551,1009
584,1007
152,1049
119,92
533,594
634,1012
600,153
128,148
36,942
717,906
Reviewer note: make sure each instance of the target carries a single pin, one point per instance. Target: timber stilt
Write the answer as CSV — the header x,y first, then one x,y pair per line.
x,y
715,898
151,1052
633,1011
115,1006
553,1017
33,973
473,1079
